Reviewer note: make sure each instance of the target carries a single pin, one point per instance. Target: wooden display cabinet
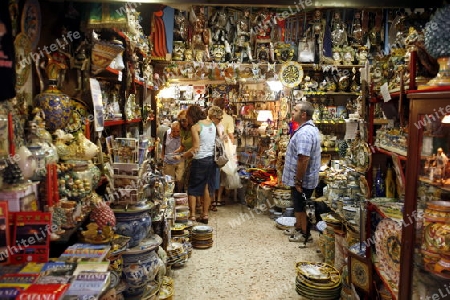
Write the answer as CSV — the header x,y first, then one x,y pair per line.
x,y
418,276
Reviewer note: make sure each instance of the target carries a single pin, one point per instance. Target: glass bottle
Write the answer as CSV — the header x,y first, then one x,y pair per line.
x,y
390,183
380,188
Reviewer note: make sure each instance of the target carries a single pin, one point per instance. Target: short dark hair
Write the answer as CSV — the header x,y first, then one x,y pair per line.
x,y
307,107
220,102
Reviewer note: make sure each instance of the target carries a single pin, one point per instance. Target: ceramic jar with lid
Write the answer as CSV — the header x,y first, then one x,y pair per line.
x,y
134,223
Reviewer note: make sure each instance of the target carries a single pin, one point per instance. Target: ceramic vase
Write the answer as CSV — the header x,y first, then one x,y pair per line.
x,y
443,76
56,106
140,267
27,162
134,223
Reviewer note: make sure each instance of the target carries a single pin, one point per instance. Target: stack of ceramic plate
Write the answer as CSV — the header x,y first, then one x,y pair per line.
x,y
178,229
181,198
176,254
282,198
202,237
181,214
318,281
285,222
185,241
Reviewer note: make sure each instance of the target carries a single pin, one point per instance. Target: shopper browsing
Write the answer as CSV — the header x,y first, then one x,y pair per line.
x,y
186,143
202,174
301,169
172,167
228,132
215,114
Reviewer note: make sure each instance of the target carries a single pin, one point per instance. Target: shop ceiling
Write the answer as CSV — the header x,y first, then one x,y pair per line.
x,y
184,5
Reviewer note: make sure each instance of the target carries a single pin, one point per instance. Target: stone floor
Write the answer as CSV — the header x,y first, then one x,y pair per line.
x,y
250,260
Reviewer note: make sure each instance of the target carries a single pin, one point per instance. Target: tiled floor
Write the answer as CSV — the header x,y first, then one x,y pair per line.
x,y
250,260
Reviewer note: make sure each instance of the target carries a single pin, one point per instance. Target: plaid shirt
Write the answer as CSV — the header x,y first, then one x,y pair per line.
x,y
305,141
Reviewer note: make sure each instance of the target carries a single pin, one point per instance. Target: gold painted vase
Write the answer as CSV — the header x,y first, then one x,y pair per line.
x,y
443,76
56,106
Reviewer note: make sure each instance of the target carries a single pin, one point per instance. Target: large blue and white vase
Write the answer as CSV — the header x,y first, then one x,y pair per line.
x,y
141,265
56,107
134,223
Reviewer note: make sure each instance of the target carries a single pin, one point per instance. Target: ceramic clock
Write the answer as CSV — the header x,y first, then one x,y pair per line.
x,y
291,74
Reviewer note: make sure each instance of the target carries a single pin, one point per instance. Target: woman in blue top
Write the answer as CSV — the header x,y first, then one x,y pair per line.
x,y
202,175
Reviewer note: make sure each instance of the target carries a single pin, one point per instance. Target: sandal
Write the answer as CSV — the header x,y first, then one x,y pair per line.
x,y
292,231
203,220
213,208
193,218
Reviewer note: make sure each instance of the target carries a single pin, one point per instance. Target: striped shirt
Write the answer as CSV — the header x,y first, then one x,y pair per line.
x,y
306,142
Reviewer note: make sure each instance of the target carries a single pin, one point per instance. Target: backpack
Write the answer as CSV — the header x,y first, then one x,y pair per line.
x,y
220,156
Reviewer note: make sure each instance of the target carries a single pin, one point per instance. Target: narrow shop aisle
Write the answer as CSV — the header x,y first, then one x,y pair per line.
x,y
250,260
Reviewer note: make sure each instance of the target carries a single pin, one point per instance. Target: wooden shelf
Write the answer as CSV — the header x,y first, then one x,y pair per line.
x,y
331,93
109,123
341,121
401,155
445,187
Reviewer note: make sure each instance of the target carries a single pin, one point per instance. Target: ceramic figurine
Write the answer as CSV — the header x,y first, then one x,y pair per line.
x,y
200,34
357,31
101,213
178,50
242,50
180,27
338,32
440,164
264,50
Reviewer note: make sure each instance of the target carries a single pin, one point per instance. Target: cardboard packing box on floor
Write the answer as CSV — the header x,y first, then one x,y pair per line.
x,y
23,197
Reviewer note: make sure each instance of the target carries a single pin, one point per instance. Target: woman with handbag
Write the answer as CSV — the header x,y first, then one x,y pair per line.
x,y
215,114
202,174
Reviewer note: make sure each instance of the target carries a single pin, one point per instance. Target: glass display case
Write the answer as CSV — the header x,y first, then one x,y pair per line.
x,y
425,229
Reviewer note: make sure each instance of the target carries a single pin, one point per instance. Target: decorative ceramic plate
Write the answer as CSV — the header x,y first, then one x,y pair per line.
x,y
320,272
79,114
363,157
202,229
388,247
364,186
31,21
291,74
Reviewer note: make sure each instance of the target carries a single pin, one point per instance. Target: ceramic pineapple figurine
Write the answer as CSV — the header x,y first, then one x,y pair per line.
x,y
101,213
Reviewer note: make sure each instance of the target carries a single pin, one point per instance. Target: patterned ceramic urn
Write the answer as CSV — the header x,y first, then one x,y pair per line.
x,y
141,264
134,223
56,107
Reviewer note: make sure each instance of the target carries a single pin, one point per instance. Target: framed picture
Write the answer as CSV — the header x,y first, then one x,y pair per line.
x,y
332,113
341,112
